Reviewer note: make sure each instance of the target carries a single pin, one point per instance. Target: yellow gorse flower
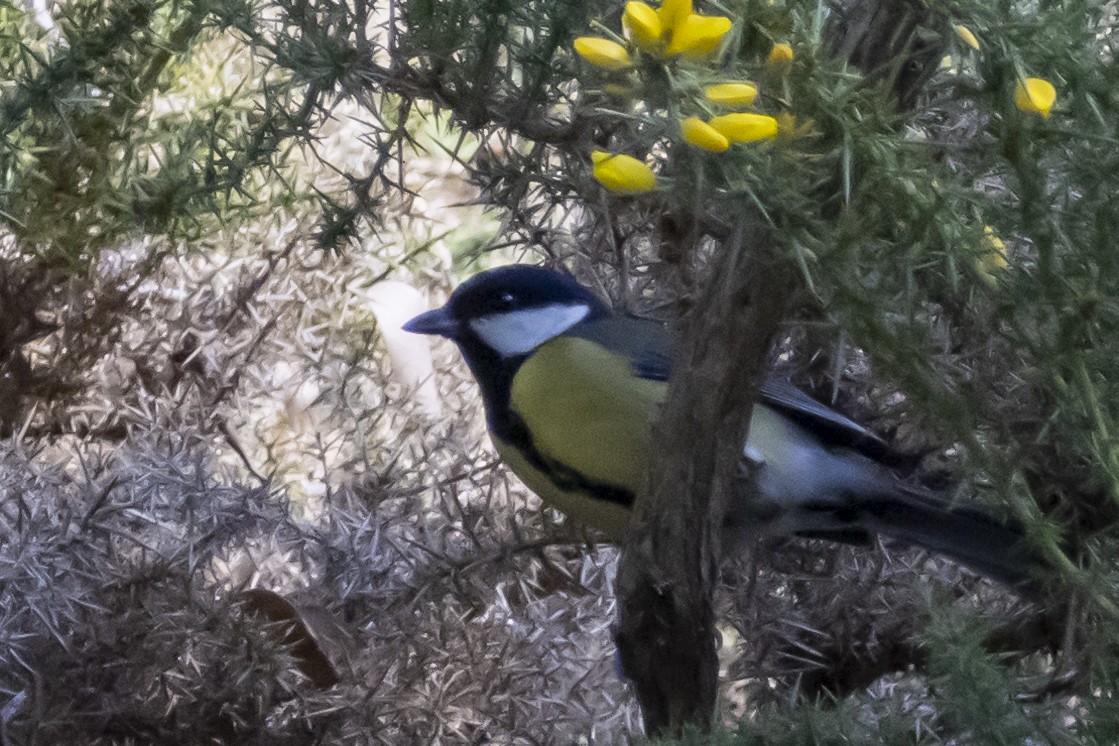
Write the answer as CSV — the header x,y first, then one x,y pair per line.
x,y
967,37
697,37
781,54
993,259
731,94
745,127
670,30
701,134
643,27
673,12
1035,95
622,174
604,53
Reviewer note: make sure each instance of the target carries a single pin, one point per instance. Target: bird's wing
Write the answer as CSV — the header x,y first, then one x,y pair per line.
x,y
648,345
829,425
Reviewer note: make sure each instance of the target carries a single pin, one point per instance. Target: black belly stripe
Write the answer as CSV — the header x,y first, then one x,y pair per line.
x,y
565,477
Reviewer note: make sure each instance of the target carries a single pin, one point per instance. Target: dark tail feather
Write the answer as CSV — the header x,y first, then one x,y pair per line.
x,y
981,542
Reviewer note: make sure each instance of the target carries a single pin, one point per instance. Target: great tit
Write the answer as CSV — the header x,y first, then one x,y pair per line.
x,y
571,391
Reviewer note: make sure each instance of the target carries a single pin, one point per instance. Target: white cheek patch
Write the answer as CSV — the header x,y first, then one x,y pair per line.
x,y
512,333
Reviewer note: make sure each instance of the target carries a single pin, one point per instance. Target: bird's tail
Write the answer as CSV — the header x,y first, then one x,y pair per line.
x,y
990,546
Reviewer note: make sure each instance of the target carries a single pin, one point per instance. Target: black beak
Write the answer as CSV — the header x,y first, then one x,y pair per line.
x,y
438,322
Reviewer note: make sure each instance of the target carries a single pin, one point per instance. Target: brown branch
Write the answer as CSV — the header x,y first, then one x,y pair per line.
x,y
896,43
666,636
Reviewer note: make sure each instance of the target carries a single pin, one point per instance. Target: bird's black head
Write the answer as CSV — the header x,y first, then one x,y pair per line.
x,y
510,311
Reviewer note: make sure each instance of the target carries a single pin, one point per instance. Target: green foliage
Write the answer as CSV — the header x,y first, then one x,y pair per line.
x,y
859,719
972,687
490,54
1099,722
151,117
176,120
75,159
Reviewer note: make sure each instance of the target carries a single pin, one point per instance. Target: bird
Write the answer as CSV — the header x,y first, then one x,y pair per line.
x,y
571,392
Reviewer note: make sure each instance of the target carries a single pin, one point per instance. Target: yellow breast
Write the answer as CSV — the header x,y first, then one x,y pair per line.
x,y
587,412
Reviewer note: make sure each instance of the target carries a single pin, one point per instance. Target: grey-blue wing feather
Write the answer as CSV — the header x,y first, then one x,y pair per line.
x,y
833,427
648,344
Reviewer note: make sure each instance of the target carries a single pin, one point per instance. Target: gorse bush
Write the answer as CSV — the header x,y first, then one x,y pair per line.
x,y
930,189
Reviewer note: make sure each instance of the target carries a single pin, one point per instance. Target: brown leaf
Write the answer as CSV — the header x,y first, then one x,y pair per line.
x,y
288,629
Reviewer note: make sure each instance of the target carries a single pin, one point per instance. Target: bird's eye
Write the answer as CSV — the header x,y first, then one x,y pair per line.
x,y
505,301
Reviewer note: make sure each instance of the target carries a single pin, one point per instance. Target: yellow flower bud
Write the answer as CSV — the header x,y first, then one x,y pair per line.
x,y
731,94
622,174
993,259
696,37
672,13
701,134
781,54
1035,95
643,26
745,127
967,37
609,55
